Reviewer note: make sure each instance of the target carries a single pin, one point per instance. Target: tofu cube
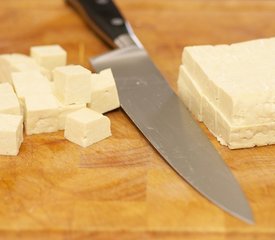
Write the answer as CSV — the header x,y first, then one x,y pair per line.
x,y
41,113
10,63
85,127
11,134
72,84
8,100
104,95
49,56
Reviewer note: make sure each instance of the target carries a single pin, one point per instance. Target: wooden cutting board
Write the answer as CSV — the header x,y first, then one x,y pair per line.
x,y
121,188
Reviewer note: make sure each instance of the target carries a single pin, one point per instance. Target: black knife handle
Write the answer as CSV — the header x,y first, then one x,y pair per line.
x,y
106,20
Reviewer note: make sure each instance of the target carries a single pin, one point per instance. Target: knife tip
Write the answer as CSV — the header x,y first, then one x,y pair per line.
x,y
245,214
248,218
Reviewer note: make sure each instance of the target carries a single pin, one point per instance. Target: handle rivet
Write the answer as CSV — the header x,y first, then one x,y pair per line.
x,y
117,21
102,2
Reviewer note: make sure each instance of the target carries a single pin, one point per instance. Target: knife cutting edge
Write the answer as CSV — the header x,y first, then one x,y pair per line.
x,y
157,111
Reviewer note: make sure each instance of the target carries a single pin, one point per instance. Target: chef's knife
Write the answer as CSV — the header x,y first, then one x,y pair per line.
x,y
157,111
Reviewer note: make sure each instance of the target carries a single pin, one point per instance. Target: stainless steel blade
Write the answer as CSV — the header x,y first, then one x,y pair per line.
x,y
163,119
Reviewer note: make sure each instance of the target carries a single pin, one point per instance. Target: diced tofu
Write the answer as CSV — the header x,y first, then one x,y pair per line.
x,y
10,63
104,95
49,56
72,84
85,127
41,113
8,100
11,134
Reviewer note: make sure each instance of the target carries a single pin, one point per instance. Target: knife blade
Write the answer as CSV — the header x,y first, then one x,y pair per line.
x,y
157,111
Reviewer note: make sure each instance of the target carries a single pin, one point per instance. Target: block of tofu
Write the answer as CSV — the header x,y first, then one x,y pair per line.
x,y
85,127
49,56
41,113
104,95
72,84
10,63
9,102
11,134
233,89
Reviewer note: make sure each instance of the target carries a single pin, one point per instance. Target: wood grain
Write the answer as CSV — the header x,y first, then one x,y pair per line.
x,y
121,188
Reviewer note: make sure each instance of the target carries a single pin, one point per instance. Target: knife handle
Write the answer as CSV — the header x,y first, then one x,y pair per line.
x,y
106,20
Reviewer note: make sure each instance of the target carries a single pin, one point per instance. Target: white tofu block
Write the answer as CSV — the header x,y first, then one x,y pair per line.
x,y
9,102
234,86
72,84
104,95
41,113
49,56
10,63
228,134
11,134
85,127
64,110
